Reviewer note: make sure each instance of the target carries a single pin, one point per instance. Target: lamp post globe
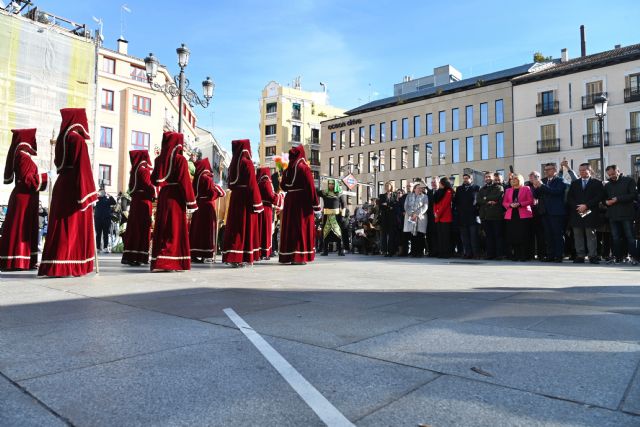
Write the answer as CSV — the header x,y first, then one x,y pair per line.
x,y
151,65
183,55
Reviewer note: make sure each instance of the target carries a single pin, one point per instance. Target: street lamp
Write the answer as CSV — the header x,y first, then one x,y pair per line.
x,y
180,85
600,110
375,159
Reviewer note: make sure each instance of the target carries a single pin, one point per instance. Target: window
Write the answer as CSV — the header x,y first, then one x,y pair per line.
x,y
499,145
592,127
104,175
548,132
371,162
442,122
106,135
342,139
315,157
108,65
352,137
404,158
140,140
361,135
546,99
403,183
350,162
107,99
429,119
361,162
469,116
392,159
455,119
405,128
295,133
270,151
470,149
428,153
594,165
416,126
380,187
272,107
499,111
372,134
594,88
340,164
142,105
484,114
332,162
394,130
442,152
416,155
295,113
270,130
381,160
484,147
635,166
455,151
138,74
383,132
333,141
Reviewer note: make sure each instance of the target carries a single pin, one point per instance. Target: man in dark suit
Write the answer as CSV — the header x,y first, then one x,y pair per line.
x,y
551,190
583,199
465,203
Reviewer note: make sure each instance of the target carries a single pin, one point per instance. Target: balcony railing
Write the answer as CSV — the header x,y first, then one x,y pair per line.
x,y
295,115
271,116
593,140
548,145
588,100
633,135
547,108
631,94
314,140
314,162
295,137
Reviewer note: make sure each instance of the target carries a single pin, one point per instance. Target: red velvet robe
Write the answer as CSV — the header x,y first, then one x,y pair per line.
x,y
297,238
19,234
170,250
241,234
203,228
265,218
69,249
137,236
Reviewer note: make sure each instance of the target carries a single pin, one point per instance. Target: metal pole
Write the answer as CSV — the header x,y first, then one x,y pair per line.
x,y
601,124
375,182
181,90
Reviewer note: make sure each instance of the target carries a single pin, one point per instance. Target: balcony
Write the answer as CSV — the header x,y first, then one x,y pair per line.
x,y
314,162
271,116
295,138
633,135
314,140
593,140
547,108
548,145
296,115
631,94
588,100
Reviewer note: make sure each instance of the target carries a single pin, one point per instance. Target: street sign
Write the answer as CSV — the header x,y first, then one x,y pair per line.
x,y
350,181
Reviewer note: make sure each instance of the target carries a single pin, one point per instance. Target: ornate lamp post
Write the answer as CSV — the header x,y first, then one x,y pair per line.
x,y
375,159
180,85
600,110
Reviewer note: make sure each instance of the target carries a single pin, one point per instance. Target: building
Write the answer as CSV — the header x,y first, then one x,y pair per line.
x,y
441,76
211,149
132,116
443,130
290,116
554,117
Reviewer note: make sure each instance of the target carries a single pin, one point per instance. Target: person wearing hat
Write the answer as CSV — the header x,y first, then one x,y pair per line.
x,y
333,214
415,217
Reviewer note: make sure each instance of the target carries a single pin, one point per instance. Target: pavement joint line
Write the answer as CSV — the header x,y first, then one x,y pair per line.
x,y
40,402
636,374
309,394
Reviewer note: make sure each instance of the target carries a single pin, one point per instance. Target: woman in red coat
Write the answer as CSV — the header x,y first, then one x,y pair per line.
x,y
443,216
297,238
19,234
202,232
170,250
69,249
265,219
241,233
138,233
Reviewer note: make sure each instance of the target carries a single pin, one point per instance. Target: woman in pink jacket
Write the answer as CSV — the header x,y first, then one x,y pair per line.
x,y
517,201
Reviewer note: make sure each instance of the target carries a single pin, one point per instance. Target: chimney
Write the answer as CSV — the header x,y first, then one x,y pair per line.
x,y
123,46
583,42
564,57
618,46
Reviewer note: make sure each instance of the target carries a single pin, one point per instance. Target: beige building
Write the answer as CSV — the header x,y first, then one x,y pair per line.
x,y
446,130
290,116
554,116
218,157
131,116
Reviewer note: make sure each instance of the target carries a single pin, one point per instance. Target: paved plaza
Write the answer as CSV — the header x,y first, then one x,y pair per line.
x,y
387,342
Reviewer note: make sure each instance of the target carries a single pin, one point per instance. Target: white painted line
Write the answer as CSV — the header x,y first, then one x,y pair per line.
x,y
312,397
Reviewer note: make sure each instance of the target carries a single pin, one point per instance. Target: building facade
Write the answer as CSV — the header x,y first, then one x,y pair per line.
x,y
211,149
554,117
464,126
289,117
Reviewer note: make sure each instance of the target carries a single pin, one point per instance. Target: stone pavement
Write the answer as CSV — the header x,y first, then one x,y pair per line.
x,y
389,342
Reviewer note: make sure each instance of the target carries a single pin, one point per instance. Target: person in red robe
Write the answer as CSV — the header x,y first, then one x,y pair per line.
x,y
138,233
241,235
297,237
19,235
70,247
170,250
203,228
270,201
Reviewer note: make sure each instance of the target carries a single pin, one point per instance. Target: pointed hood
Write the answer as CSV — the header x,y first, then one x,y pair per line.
x,y
263,173
73,119
21,140
138,158
295,154
296,157
239,148
172,145
203,168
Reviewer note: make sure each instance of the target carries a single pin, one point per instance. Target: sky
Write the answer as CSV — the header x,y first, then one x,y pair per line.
x,y
358,48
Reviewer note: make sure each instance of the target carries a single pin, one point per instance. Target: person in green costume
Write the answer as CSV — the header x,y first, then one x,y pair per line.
x,y
334,209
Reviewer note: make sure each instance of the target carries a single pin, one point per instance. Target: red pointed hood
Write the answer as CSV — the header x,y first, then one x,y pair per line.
x,y
296,157
239,148
21,140
172,145
263,173
73,119
137,157
295,154
203,168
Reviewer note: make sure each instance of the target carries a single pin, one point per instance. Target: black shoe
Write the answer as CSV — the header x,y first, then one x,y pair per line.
x,y
324,254
594,260
578,260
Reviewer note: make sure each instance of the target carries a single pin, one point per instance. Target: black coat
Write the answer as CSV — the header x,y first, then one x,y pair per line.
x,y
465,204
624,190
591,196
387,212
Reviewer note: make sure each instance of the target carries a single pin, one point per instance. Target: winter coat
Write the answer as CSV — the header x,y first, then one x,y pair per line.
x,y
416,204
624,190
442,208
552,192
591,196
491,193
465,204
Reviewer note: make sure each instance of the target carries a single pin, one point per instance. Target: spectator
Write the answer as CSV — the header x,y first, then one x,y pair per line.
x,y
552,190
42,223
517,201
491,216
443,217
583,199
465,204
538,246
620,195
432,240
415,218
387,220
404,237
102,216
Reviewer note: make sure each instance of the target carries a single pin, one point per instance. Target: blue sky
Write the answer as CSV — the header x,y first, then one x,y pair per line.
x,y
359,49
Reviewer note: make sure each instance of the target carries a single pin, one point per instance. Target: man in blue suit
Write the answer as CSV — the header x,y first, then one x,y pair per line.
x,y
552,189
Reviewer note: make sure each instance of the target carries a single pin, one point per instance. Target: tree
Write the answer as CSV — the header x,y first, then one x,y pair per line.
x,y
539,57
